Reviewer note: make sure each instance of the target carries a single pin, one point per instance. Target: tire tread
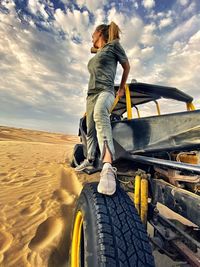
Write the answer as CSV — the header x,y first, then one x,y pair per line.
x,y
122,238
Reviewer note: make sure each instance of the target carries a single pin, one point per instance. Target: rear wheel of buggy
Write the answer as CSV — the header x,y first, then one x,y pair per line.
x,y
107,231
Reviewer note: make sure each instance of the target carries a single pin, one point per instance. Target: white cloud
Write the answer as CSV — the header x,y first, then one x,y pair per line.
x,y
134,52
148,4
181,67
189,10
66,1
184,29
147,52
37,7
99,17
183,2
149,36
160,14
8,4
132,31
91,4
195,41
156,17
135,5
46,77
74,23
165,22
119,18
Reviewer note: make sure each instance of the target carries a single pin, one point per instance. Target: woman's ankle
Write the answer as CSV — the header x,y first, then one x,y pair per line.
x,y
106,165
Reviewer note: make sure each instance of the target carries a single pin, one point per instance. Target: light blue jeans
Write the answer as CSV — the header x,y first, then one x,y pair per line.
x,y
99,129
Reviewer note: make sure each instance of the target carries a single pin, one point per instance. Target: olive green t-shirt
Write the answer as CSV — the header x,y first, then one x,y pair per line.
x,y
102,67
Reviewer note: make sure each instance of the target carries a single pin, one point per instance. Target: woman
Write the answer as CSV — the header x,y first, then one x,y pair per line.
x,y
100,98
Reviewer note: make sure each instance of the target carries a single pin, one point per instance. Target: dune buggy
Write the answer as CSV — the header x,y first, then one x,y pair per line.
x,y
157,158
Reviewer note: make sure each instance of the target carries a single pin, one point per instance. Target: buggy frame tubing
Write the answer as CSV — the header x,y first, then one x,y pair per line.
x,y
190,106
128,102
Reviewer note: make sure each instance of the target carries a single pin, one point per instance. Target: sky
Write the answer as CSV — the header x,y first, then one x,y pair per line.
x,y
45,47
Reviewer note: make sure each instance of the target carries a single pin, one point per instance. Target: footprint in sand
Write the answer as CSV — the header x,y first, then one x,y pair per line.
x,y
63,196
3,173
15,183
39,174
26,197
12,157
46,233
8,181
13,169
32,210
5,242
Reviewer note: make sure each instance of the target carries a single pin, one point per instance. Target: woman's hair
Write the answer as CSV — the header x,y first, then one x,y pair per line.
x,y
109,32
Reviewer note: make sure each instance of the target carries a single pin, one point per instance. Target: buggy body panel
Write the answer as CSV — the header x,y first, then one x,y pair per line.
x,y
175,131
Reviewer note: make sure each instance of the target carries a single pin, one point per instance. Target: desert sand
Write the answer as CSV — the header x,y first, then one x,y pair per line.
x,y
37,197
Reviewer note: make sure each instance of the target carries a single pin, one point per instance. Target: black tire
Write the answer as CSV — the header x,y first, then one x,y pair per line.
x,y
77,156
112,233
72,163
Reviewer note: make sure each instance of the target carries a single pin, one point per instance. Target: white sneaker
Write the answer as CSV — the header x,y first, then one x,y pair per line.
x,y
107,183
84,165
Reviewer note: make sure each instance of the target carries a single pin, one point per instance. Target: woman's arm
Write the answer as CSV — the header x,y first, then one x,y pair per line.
x,y
126,69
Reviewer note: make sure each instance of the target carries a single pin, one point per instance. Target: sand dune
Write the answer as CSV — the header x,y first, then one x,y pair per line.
x,y
37,196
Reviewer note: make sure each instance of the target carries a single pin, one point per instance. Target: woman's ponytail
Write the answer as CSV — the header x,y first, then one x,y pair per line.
x,y
113,32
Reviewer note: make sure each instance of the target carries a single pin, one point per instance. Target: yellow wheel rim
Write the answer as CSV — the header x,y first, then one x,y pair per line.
x,y
76,238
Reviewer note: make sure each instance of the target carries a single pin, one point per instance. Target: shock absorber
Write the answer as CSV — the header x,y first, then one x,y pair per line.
x,y
141,195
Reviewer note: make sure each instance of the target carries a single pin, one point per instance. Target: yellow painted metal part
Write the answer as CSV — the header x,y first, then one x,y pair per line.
x,y
190,106
188,157
144,200
76,238
115,103
137,193
128,102
158,107
138,113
